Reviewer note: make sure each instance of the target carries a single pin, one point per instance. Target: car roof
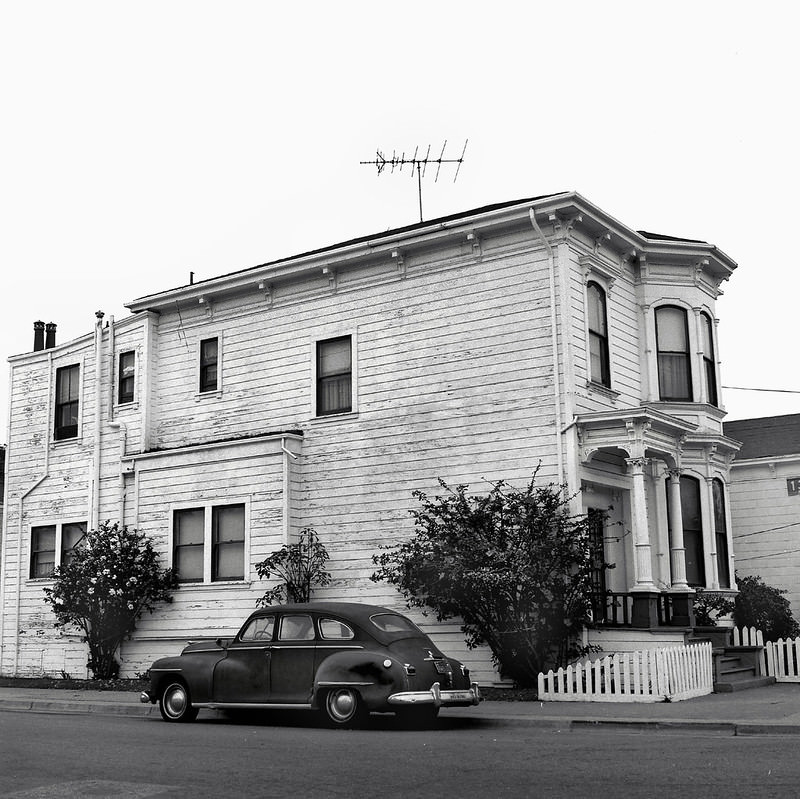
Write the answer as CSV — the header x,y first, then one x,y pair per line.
x,y
357,611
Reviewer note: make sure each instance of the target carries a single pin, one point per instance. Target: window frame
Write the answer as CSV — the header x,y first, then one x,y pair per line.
x,y
685,356
709,359
719,516
316,344
204,389
60,553
694,534
601,337
65,432
207,508
126,397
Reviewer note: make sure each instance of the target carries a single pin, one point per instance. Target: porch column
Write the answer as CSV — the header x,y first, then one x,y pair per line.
x,y
643,568
677,550
682,594
709,535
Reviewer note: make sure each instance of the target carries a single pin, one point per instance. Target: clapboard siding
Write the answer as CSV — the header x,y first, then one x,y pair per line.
x,y
764,519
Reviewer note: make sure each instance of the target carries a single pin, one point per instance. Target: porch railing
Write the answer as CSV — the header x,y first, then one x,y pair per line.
x,y
615,609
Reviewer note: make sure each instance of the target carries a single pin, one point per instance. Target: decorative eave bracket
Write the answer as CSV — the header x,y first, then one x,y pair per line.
x,y
400,261
269,292
207,304
333,278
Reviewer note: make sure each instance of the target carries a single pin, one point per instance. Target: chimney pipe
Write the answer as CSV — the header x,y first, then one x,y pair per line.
x,y
38,336
50,340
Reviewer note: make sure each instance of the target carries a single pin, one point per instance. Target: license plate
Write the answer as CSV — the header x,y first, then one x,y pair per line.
x,y
457,696
442,666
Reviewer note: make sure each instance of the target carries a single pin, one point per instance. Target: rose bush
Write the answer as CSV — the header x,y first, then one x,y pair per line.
x,y
111,578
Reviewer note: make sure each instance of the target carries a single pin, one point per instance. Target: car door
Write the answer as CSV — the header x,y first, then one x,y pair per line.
x,y
243,676
292,661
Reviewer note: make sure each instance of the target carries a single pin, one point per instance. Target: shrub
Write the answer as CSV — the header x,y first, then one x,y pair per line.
x,y
112,578
765,608
709,606
513,565
300,566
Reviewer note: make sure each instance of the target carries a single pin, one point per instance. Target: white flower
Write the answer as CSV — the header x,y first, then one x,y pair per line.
x,y
91,590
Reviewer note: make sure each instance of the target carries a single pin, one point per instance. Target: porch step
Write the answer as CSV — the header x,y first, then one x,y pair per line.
x,y
742,684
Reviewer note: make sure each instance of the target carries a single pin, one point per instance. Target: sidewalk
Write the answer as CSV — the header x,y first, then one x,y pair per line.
x,y
774,709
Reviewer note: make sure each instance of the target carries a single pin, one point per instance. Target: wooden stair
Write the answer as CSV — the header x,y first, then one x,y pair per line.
x,y
736,669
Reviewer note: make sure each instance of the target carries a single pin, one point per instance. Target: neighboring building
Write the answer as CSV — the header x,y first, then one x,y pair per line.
x,y
224,416
2,489
765,501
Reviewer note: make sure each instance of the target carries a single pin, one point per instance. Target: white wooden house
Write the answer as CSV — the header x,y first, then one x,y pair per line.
x,y
765,501
224,416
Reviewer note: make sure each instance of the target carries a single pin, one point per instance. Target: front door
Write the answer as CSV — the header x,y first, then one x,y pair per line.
x,y
292,661
243,675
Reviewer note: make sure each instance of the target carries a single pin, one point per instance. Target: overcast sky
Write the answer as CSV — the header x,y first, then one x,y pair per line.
x,y
144,141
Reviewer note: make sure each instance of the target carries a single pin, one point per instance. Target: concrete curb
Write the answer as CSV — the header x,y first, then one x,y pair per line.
x,y
698,726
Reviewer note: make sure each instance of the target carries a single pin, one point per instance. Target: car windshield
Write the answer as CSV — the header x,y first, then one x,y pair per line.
x,y
392,623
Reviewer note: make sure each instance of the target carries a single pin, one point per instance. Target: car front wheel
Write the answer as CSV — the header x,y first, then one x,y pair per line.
x,y
175,704
343,707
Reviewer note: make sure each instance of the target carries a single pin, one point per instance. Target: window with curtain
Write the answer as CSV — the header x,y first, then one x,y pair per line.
x,y
67,400
674,362
208,543
709,361
721,534
227,560
334,376
599,364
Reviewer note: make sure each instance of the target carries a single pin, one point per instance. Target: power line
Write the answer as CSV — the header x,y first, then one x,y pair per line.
x,y
770,530
771,390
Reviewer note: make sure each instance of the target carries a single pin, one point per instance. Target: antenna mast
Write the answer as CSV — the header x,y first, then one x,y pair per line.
x,y
418,165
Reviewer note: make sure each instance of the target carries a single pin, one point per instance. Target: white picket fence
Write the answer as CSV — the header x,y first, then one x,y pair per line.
x,y
779,659
650,675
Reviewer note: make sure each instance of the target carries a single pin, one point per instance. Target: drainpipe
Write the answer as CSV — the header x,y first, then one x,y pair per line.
x,y
20,505
98,422
288,457
113,423
554,343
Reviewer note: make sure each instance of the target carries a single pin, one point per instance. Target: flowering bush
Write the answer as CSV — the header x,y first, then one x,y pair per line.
x,y
110,580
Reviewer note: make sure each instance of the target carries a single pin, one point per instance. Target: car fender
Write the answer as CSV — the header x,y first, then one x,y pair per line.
x,y
374,675
196,669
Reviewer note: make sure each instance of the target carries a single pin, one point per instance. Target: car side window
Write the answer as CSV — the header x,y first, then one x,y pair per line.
x,y
334,630
296,628
259,629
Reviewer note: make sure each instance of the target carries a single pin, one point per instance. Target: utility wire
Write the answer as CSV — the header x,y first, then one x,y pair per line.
x,y
771,390
770,530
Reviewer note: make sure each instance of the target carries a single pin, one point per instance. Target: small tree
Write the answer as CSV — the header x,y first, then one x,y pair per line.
x,y
765,608
514,565
301,567
111,579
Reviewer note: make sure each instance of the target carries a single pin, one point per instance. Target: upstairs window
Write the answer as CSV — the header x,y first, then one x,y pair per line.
x,y
67,397
127,376
209,361
721,534
674,363
709,361
599,368
334,376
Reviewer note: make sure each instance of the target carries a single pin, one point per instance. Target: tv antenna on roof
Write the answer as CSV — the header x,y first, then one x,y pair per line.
x,y
418,165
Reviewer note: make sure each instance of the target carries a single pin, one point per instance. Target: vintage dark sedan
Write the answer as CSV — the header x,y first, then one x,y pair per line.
x,y
344,659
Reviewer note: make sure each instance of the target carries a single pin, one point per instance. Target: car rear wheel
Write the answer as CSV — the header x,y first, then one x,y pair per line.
x,y
343,707
176,705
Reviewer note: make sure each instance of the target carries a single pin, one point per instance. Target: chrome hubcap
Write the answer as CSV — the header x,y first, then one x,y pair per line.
x,y
342,704
175,701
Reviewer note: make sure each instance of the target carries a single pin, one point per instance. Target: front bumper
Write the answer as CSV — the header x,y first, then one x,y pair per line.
x,y
439,698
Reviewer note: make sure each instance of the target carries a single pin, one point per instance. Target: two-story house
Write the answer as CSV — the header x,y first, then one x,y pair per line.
x,y
319,390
